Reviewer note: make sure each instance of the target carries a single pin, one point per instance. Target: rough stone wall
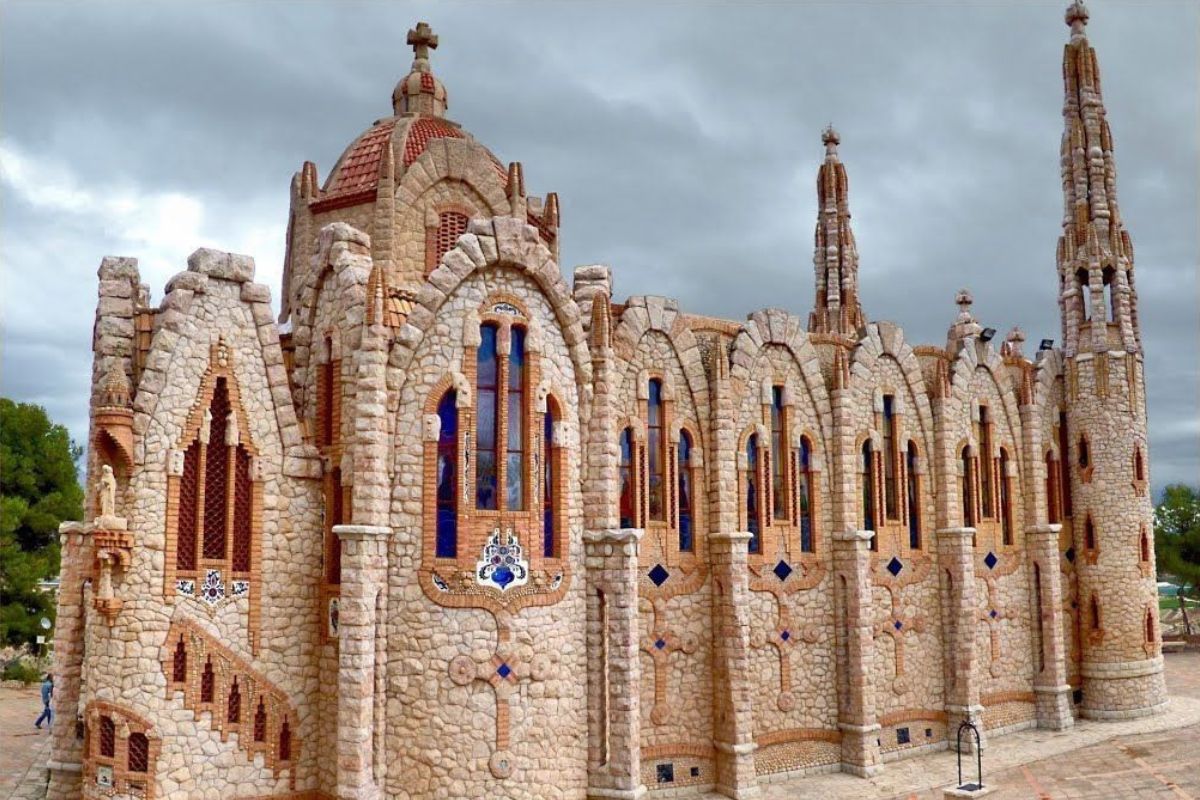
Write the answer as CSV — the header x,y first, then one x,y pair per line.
x,y
441,734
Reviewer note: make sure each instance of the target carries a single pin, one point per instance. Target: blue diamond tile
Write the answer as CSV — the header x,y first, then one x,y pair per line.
x,y
782,570
897,624
660,644
785,635
1070,554
991,560
659,574
993,613
504,670
894,566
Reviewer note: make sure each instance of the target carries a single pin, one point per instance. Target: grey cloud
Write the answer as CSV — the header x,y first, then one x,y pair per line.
x,y
683,141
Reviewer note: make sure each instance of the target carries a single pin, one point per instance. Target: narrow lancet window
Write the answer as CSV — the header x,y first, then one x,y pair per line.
x,y
686,543
779,499
753,524
487,376
627,515
654,451
914,499
514,468
447,473
806,496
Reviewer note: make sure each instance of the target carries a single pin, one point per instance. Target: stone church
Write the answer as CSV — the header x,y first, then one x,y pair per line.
x,y
455,525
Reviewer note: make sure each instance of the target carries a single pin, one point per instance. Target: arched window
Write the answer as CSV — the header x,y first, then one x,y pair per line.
x,y
891,499
208,682
451,225
914,499
966,491
1095,608
1145,545
779,498
1139,465
514,472
216,477
1089,534
327,396
139,752
1149,626
984,437
447,476
1081,284
1085,455
179,663
108,737
655,456
1053,505
1110,292
233,707
285,742
628,507
686,542
753,523
1006,527
1064,463
550,468
806,496
487,376
260,722
867,472
335,514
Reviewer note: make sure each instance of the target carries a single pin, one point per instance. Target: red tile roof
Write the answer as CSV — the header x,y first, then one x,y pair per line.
x,y
421,131
359,170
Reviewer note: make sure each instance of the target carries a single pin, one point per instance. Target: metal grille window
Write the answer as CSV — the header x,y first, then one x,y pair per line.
x,y
139,752
108,737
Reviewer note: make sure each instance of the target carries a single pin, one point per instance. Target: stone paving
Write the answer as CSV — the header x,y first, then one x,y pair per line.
x,y
23,749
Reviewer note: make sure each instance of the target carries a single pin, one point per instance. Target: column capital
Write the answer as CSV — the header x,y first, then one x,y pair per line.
x,y
614,536
952,533
853,535
1043,530
361,532
730,536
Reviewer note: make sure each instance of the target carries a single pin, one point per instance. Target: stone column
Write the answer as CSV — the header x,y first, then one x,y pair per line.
x,y
614,706
66,750
733,723
364,576
956,570
1050,686
857,718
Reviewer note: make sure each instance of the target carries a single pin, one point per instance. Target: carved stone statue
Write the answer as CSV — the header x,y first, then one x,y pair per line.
x,y
108,492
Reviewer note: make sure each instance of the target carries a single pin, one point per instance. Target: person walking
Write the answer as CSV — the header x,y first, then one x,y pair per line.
x,y
47,693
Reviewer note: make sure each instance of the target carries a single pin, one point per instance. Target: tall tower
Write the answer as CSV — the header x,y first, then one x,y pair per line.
x,y
1106,410
835,256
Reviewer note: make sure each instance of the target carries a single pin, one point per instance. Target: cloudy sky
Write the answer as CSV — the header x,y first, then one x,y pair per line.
x,y
683,140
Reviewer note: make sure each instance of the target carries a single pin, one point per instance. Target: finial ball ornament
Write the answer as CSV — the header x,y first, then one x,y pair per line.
x,y
1077,12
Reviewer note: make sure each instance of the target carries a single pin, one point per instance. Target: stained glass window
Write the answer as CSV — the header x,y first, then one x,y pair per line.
x,y
548,471
753,524
654,451
486,419
628,518
891,501
967,491
1064,463
447,474
686,543
985,461
868,488
139,752
778,448
514,472
806,487
914,500
1005,500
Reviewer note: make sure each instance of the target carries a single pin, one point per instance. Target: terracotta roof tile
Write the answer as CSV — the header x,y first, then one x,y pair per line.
x,y
359,170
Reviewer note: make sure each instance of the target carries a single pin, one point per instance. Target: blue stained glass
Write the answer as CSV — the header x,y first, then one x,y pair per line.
x,y
487,364
782,570
446,544
685,492
752,522
516,358
548,487
658,575
991,560
504,670
654,452
626,470
894,566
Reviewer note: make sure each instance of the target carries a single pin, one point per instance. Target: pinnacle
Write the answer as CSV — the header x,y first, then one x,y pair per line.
x,y
1076,12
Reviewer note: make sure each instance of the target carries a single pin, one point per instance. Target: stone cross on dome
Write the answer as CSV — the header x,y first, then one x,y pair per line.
x,y
422,39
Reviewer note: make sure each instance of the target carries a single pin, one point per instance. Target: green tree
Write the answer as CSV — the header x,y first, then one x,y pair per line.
x,y
39,489
1177,541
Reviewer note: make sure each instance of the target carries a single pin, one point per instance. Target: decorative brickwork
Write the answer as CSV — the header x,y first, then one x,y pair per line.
x,y
121,751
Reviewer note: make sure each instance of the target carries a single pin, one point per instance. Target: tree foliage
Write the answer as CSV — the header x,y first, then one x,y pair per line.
x,y
39,489
1177,536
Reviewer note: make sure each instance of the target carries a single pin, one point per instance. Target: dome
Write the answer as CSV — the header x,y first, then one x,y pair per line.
x,y
419,106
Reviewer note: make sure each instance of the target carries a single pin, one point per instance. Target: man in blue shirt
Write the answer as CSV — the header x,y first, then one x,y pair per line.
x,y
47,693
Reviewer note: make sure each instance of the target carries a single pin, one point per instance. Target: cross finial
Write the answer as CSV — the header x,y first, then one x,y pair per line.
x,y
422,39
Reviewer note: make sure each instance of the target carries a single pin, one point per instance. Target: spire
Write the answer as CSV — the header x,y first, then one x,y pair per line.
x,y
835,256
1095,259
420,91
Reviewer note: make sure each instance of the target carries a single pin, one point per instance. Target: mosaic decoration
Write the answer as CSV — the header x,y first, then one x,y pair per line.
x,y
991,560
186,588
440,583
104,776
502,563
658,575
894,566
782,570
212,591
506,308
558,579
240,588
